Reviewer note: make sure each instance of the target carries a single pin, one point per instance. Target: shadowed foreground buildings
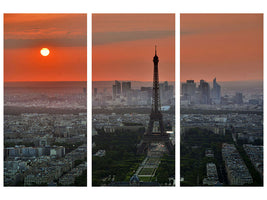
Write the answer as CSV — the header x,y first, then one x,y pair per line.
x,y
230,126
255,154
237,171
45,134
212,175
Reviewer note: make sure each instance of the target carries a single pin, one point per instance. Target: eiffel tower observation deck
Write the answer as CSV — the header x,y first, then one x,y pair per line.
x,y
155,132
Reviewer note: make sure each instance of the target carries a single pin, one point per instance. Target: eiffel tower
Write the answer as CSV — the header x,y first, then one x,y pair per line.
x,y
155,132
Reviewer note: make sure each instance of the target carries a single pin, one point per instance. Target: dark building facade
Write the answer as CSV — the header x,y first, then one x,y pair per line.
x,y
204,90
116,89
126,88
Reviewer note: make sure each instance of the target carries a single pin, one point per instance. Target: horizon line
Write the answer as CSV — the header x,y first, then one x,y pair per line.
x,y
127,80
40,81
224,81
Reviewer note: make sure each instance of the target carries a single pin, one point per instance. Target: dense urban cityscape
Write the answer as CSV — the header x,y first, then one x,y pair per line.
x,y
45,134
221,134
120,118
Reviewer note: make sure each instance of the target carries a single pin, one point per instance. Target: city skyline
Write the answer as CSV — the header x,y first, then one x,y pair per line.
x,y
226,46
123,45
221,123
63,34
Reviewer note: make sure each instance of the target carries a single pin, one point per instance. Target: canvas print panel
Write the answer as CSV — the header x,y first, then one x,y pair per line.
x,y
45,111
133,100
221,100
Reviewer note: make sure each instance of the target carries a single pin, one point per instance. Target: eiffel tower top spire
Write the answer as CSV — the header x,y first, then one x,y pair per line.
x,y
156,96
156,58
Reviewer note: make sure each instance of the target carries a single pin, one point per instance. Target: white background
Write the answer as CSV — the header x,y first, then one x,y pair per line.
x,y
124,6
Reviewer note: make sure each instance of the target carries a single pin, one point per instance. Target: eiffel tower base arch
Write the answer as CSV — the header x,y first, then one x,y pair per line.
x,y
148,139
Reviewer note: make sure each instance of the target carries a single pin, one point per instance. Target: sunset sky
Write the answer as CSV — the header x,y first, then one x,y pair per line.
x,y
64,34
226,46
124,46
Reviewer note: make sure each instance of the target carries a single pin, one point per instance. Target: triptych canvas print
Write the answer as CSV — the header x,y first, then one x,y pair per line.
x,y
135,140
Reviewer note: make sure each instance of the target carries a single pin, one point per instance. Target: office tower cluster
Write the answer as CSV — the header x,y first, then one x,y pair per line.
x,y
122,91
206,93
201,94
128,93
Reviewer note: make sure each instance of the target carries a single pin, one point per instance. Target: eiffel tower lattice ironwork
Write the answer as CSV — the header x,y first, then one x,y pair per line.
x,y
155,134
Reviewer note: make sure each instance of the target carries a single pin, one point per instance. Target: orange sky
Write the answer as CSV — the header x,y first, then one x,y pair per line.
x,y
226,46
124,46
65,36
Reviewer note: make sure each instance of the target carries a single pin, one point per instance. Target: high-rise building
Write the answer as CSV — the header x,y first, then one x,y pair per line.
x,y
216,92
166,93
116,89
148,91
189,91
126,88
189,88
204,89
238,98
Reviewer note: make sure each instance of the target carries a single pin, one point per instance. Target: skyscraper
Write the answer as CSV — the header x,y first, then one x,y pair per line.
x,y
166,92
189,88
116,89
204,89
238,98
126,88
216,92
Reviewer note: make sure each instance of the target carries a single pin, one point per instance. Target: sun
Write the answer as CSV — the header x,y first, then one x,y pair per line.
x,y
44,51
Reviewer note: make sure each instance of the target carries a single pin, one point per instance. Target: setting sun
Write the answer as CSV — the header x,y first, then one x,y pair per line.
x,y
44,51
